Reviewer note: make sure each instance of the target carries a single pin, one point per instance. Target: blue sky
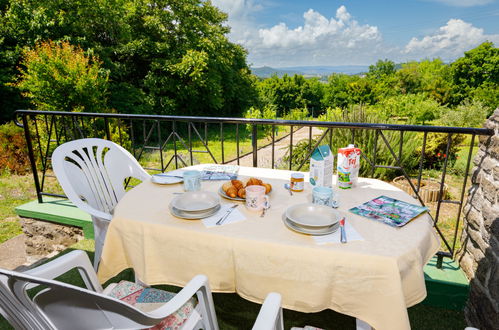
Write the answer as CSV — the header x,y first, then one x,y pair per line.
x,y
283,33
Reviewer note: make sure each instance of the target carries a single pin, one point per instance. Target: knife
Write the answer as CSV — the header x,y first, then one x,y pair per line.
x,y
342,229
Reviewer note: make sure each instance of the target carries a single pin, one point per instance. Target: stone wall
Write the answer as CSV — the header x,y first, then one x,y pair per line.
x,y
480,254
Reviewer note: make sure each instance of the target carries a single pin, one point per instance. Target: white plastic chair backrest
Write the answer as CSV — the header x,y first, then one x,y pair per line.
x,y
64,306
92,173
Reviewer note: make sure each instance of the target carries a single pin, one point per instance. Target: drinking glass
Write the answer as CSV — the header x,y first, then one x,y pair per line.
x,y
192,180
325,196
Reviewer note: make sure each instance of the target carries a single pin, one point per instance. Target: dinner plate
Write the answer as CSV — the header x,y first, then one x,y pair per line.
x,y
167,178
193,216
195,201
312,216
313,232
222,193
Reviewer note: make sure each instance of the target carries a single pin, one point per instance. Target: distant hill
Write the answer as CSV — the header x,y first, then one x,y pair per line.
x,y
310,71
267,72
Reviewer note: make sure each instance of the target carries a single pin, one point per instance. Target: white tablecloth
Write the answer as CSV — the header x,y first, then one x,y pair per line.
x,y
374,280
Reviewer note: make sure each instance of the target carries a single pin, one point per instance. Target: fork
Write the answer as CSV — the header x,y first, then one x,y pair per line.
x,y
226,215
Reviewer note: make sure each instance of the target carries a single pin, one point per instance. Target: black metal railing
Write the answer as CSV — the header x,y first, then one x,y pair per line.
x,y
145,134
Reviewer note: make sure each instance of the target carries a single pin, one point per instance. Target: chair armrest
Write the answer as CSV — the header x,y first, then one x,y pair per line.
x,y
197,283
270,315
74,259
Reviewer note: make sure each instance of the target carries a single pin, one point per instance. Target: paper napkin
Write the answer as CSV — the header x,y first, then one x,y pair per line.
x,y
352,235
234,216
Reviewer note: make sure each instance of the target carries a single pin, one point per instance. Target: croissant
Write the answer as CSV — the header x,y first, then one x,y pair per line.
x,y
232,192
241,193
252,182
237,183
268,187
226,186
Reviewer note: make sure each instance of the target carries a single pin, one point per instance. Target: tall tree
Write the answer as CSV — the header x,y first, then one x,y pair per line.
x,y
165,56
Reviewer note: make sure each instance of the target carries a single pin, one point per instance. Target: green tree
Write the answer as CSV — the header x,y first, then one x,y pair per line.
x,y
430,77
343,90
476,75
169,56
62,77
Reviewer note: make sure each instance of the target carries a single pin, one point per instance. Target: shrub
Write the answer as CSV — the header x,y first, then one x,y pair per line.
x,y
13,150
61,77
467,114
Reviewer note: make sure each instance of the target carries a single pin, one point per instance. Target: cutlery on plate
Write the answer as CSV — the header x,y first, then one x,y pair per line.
x,y
342,230
288,187
169,175
226,215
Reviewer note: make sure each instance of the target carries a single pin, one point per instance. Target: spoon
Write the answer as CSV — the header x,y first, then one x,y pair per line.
x,y
265,208
288,187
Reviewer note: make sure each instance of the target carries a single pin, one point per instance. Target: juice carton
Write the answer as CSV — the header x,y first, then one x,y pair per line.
x,y
348,166
321,167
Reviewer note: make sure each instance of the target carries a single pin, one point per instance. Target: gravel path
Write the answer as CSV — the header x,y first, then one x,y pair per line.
x,y
265,154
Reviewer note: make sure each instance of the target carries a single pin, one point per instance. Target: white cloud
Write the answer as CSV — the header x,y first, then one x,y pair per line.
x,y
464,3
241,18
339,40
449,42
319,41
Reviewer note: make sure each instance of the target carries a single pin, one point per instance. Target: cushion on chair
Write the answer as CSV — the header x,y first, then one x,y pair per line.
x,y
148,299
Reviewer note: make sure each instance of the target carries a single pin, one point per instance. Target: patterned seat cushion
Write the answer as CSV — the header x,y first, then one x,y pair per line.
x,y
148,299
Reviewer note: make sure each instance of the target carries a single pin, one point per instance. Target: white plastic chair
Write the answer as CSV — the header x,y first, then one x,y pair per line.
x,y
270,316
65,306
92,173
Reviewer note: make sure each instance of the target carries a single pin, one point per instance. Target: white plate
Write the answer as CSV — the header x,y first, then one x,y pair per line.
x,y
312,215
195,201
193,216
222,193
167,178
316,232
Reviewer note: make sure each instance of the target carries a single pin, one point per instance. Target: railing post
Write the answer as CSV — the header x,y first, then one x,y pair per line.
x,y
254,142
31,156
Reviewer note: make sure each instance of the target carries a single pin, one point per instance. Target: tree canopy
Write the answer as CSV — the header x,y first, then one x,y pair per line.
x,y
163,57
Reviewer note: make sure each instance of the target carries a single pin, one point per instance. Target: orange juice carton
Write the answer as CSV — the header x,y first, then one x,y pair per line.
x,y
321,167
348,166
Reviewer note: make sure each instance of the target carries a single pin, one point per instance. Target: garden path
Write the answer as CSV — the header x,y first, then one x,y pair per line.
x,y
281,146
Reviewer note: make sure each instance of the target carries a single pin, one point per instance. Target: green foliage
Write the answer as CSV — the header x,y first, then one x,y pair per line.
x,y
298,114
13,150
171,57
476,67
364,139
62,77
415,108
269,112
429,77
467,114
343,90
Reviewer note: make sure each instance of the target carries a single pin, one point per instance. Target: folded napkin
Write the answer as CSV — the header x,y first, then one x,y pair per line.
x,y
234,216
352,235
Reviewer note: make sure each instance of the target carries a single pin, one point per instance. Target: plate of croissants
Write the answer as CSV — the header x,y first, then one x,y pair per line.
x,y
234,189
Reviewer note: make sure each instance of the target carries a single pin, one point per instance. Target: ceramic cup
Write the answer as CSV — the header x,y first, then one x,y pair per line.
x,y
256,199
192,180
325,196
